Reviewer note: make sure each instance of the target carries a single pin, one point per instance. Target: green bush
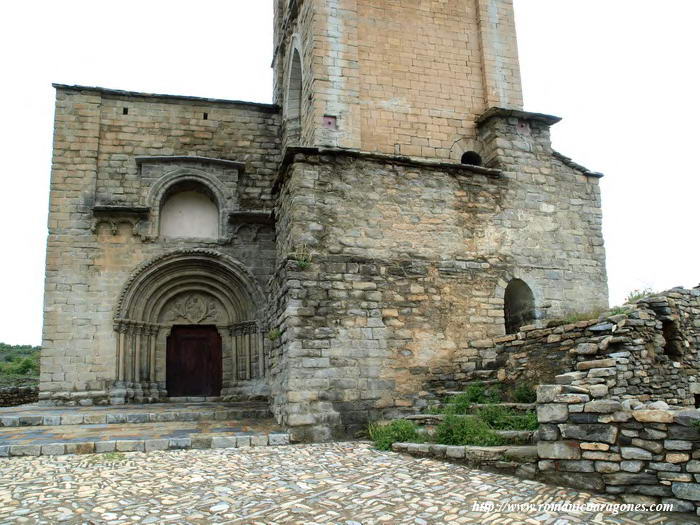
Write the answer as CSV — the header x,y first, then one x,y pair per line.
x,y
524,393
466,431
503,418
398,431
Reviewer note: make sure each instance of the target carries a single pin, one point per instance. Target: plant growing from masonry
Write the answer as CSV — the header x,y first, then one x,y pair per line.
x,y
274,335
636,295
524,393
303,257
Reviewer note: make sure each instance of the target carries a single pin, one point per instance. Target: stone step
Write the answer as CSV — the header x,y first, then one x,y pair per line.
x,y
144,437
37,415
510,459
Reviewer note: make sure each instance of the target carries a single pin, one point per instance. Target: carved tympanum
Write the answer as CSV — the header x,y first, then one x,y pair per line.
x,y
195,309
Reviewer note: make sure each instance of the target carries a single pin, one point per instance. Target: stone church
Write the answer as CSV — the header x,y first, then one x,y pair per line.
x,y
336,252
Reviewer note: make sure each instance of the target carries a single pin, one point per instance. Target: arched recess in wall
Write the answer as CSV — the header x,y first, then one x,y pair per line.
x,y
187,288
188,203
519,305
189,210
293,100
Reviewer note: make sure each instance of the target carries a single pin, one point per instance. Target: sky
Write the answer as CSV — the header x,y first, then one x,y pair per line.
x,y
622,74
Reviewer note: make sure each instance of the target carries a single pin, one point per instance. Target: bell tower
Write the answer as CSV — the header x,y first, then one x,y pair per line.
x,y
403,78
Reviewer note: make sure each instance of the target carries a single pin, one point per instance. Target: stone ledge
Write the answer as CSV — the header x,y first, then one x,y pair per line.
x,y
490,113
145,445
455,168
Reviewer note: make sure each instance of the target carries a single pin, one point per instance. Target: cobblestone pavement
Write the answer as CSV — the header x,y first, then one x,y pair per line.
x,y
342,483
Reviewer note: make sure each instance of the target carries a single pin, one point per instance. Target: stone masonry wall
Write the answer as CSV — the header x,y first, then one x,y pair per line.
x,y
607,425
405,78
98,136
18,395
407,265
648,352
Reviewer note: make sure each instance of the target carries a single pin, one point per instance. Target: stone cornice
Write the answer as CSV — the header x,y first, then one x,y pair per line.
x,y
452,167
268,108
571,164
120,209
516,113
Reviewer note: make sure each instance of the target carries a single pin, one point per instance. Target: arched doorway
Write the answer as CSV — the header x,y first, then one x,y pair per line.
x,y
190,322
519,306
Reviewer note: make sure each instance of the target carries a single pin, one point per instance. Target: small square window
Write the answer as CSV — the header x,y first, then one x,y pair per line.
x,y
330,122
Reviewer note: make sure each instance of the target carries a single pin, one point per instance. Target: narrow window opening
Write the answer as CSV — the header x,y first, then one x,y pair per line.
x,y
125,111
206,116
330,122
519,306
697,400
472,158
672,347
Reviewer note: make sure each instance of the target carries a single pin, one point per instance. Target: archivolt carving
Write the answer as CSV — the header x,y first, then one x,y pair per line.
x,y
186,287
199,259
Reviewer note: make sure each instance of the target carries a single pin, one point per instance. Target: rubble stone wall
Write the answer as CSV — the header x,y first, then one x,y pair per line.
x,y
407,265
622,420
647,352
18,395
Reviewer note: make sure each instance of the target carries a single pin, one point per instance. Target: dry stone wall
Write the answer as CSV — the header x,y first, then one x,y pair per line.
x,y
18,395
622,419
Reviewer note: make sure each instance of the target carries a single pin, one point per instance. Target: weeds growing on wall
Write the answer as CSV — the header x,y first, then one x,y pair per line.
x,y
636,295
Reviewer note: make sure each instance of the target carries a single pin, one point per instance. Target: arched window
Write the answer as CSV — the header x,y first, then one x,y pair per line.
x,y
189,211
519,306
471,157
294,101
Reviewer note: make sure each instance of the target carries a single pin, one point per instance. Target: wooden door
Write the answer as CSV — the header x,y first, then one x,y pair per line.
x,y
193,363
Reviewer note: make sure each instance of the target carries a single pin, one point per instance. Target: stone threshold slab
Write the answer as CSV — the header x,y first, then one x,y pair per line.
x,y
146,445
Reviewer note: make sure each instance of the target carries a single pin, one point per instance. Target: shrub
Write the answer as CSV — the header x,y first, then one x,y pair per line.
x,y
466,431
524,393
503,418
398,431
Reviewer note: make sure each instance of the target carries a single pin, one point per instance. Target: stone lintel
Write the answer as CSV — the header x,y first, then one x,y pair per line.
x,y
268,108
240,166
490,113
453,167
